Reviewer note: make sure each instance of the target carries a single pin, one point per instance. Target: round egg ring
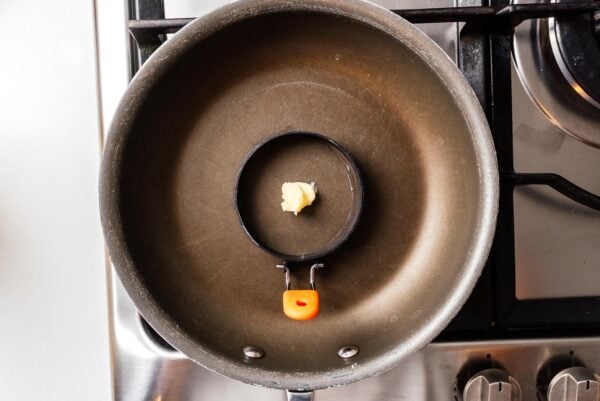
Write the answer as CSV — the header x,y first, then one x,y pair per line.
x,y
245,184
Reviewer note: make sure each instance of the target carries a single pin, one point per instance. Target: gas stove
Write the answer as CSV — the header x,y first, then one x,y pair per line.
x,y
529,330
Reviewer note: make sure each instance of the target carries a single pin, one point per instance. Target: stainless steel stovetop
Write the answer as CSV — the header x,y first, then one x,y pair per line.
x,y
556,250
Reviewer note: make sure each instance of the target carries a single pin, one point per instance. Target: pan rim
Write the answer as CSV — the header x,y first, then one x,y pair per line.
x,y
358,10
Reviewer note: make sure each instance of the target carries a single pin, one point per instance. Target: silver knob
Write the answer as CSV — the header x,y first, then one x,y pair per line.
x,y
574,384
492,385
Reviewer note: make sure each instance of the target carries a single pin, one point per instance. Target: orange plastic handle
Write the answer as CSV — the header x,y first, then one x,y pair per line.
x,y
301,304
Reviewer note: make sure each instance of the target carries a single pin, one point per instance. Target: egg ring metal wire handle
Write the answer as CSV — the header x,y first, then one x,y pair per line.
x,y
351,223
311,280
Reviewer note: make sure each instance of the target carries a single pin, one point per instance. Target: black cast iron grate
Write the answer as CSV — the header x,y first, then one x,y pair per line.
x,y
484,57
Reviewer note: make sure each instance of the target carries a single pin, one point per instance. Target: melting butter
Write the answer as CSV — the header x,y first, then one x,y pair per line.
x,y
297,195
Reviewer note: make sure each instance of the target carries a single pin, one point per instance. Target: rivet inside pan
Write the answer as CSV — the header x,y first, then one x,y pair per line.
x,y
253,352
348,352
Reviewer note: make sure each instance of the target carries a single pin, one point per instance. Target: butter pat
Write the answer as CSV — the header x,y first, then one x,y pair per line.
x,y
297,195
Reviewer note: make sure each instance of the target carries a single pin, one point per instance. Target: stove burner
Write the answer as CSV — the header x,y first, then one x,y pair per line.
x,y
569,100
577,53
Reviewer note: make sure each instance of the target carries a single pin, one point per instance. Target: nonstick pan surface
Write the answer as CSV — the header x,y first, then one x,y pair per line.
x,y
347,70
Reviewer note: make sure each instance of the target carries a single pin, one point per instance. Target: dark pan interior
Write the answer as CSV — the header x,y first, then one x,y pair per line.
x,y
297,71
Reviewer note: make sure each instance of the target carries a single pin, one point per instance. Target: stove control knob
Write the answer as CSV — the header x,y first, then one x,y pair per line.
x,y
492,385
574,384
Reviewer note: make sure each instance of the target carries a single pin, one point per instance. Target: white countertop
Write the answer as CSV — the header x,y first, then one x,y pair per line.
x,y
53,302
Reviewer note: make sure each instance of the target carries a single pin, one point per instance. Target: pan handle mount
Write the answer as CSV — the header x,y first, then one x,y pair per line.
x,y
296,395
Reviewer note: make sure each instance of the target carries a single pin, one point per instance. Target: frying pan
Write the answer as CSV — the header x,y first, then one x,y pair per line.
x,y
347,70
